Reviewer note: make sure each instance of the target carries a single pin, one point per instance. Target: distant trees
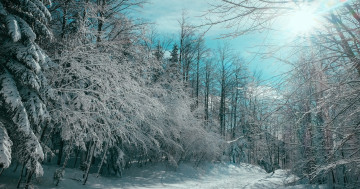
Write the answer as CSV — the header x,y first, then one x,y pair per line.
x,y
208,83
187,45
201,50
225,65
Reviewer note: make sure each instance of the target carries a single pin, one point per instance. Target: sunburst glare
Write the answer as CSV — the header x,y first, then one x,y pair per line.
x,y
302,21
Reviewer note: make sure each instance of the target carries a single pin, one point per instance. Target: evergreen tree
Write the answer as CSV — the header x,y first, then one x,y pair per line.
x,y
23,85
159,53
173,67
174,54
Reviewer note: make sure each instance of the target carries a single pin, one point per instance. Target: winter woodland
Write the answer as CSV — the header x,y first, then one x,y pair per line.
x,y
85,85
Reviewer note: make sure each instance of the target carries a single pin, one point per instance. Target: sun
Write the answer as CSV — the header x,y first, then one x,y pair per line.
x,y
302,21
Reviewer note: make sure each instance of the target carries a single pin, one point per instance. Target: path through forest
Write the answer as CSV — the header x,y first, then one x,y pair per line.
x,y
209,176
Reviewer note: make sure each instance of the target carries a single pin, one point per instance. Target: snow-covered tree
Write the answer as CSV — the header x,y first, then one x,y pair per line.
x,y
24,88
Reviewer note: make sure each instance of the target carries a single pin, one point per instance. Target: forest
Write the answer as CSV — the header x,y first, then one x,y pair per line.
x,y
86,85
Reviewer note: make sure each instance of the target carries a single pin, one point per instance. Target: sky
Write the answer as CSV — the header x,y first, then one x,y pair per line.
x,y
165,15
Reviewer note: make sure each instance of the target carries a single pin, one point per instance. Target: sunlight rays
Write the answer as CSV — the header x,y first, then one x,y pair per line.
x,y
303,21
307,18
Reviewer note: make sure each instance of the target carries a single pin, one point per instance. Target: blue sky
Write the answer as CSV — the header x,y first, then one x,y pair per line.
x,y
166,13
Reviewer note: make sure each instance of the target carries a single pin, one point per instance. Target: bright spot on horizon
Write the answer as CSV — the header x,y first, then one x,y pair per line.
x,y
302,21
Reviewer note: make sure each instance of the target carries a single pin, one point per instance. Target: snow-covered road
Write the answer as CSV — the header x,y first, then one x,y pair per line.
x,y
214,176
209,176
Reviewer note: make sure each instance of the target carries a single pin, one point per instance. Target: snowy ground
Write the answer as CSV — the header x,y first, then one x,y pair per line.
x,y
160,177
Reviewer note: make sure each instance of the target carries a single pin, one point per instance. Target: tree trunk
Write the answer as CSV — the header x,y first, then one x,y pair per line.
x,y
60,152
235,106
76,156
353,13
222,107
198,76
102,159
21,175
28,179
64,165
64,19
345,44
207,91
89,163
101,4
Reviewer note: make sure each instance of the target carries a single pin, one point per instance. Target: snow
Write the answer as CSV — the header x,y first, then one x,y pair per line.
x,y
5,147
217,175
13,27
12,98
